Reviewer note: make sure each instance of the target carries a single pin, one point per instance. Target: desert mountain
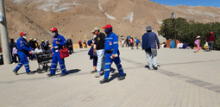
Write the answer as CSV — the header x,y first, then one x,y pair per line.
x,y
76,18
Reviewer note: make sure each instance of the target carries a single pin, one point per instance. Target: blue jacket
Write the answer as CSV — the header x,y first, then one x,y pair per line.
x,y
62,41
111,43
150,40
137,41
22,45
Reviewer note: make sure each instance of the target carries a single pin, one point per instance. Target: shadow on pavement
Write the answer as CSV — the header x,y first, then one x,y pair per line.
x,y
74,71
40,72
113,76
22,73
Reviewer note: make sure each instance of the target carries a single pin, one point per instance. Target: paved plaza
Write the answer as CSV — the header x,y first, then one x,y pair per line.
x,y
184,79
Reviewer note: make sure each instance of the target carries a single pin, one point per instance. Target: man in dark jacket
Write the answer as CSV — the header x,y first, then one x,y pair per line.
x,y
150,43
211,40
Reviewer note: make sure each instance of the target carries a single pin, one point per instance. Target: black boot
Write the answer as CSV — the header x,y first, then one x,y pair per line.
x,y
16,72
122,77
29,73
50,75
155,67
104,81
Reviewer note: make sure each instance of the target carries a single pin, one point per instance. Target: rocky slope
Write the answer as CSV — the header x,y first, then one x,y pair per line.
x,y
76,18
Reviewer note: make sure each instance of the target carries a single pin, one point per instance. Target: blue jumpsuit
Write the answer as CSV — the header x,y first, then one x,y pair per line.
x,y
111,47
23,51
56,55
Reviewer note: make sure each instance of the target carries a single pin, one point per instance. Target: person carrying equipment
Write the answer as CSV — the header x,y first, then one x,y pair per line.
x,y
57,44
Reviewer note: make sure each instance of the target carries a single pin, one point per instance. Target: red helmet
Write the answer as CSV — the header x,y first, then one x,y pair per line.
x,y
54,29
23,33
107,26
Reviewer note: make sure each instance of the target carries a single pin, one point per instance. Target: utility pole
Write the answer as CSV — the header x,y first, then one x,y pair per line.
x,y
173,17
4,34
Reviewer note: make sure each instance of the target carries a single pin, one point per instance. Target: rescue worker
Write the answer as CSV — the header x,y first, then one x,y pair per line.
x,y
111,54
23,52
57,44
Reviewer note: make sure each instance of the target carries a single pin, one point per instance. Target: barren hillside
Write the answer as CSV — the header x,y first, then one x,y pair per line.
x,y
76,18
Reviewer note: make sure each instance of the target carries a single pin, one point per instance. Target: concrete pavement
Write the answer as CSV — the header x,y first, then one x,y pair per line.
x,y
184,79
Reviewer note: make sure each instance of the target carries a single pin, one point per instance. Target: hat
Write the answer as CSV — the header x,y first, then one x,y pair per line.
x,y
107,26
54,29
148,28
197,37
23,33
95,29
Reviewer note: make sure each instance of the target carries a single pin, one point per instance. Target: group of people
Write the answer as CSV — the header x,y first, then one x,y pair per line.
x,y
43,47
131,42
82,44
209,42
33,44
104,51
26,49
206,43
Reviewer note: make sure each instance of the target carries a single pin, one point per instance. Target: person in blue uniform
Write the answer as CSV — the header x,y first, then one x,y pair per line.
x,y
111,54
57,44
23,51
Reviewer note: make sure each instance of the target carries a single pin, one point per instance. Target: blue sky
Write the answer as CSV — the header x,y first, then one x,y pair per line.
x,y
214,3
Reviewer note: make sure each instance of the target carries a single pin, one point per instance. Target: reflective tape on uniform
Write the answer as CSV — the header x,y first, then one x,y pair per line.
x,y
107,63
26,64
62,65
55,47
107,70
63,69
108,38
115,42
120,68
52,68
53,64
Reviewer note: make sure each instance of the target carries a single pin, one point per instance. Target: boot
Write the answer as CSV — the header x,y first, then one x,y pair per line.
x,y
104,81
